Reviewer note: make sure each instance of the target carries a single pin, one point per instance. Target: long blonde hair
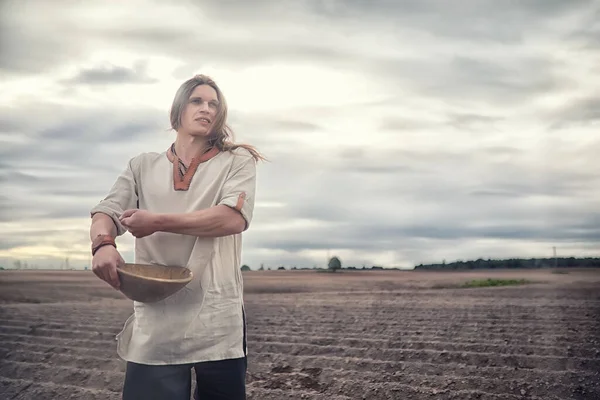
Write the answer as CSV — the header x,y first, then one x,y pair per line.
x,y
221,136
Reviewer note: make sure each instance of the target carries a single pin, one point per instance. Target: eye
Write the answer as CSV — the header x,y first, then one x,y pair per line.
x,y
214,104
196,101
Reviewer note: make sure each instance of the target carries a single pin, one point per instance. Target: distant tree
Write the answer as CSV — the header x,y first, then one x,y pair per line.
x,y
334,263
262,267
18,264
245,268
281,268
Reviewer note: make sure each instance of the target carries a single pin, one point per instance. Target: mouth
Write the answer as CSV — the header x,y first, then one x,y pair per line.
x,y
203,120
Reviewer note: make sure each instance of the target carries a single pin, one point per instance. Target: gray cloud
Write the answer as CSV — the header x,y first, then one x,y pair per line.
x,y
271,126
268,32
78,154
582,112
382,237
70,135
587,33
112,74
24,50
21,34
465,80
405,124
470,20
459,121
400,205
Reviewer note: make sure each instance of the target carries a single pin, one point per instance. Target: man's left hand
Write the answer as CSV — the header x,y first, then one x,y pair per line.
x,y
139,223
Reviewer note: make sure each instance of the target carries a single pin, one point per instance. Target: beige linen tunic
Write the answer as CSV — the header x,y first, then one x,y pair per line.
x,y
205,320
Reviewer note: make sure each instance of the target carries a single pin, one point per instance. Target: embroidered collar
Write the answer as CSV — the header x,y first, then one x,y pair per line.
x,y
182,175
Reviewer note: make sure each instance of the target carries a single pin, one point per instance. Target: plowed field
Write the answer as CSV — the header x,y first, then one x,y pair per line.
x,y
354,335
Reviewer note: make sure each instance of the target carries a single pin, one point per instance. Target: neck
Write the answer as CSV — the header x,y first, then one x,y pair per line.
x,y
188,147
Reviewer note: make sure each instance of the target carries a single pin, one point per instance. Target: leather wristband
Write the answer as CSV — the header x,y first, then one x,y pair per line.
x,y
102,240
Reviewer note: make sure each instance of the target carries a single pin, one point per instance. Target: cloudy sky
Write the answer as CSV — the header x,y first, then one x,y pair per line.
x,y
398,132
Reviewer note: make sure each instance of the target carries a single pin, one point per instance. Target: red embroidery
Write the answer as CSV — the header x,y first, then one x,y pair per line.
x,y
182,182
240,201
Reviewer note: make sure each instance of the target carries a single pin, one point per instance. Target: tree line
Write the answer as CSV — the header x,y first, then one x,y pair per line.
x,y
516,263
335,264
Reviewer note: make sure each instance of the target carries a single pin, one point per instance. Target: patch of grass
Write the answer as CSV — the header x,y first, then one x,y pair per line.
x,y
266,289
493,282
559,271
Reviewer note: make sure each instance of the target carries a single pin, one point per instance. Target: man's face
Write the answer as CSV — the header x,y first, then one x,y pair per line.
x,y
200,112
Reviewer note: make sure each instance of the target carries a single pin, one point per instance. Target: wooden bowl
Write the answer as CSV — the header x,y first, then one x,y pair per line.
x,y
150,283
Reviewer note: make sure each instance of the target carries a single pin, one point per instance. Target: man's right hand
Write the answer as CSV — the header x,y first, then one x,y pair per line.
x,y
104,265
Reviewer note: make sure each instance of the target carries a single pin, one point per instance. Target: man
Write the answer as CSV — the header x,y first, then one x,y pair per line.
x,y
186,206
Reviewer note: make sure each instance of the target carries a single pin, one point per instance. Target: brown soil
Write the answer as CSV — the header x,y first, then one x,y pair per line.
x,y
351,335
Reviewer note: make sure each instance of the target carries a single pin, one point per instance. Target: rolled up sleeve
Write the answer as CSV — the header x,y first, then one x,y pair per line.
x,y
239,189
122,195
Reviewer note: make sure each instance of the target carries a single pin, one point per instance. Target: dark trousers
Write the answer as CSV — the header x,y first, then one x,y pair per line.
x,y
215,380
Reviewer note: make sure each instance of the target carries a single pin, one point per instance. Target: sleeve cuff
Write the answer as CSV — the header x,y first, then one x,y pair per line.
x,y
113,214
239,204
